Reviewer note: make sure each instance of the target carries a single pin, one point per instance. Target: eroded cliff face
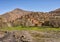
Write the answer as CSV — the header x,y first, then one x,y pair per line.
x,y
29,36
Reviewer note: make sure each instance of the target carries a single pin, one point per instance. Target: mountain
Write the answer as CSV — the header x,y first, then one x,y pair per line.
x,y
55,12
11,16
16,13
18,17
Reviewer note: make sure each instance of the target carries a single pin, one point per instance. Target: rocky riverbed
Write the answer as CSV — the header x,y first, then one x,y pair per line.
x,y
29,36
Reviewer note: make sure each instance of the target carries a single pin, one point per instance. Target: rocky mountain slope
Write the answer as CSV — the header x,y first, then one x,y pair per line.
x,y
16,13
19,17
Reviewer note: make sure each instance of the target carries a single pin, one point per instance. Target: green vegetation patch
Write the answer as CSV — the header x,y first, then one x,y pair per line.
x,y
30,28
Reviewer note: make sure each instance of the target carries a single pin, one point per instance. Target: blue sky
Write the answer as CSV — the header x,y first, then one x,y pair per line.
x,y
29,5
